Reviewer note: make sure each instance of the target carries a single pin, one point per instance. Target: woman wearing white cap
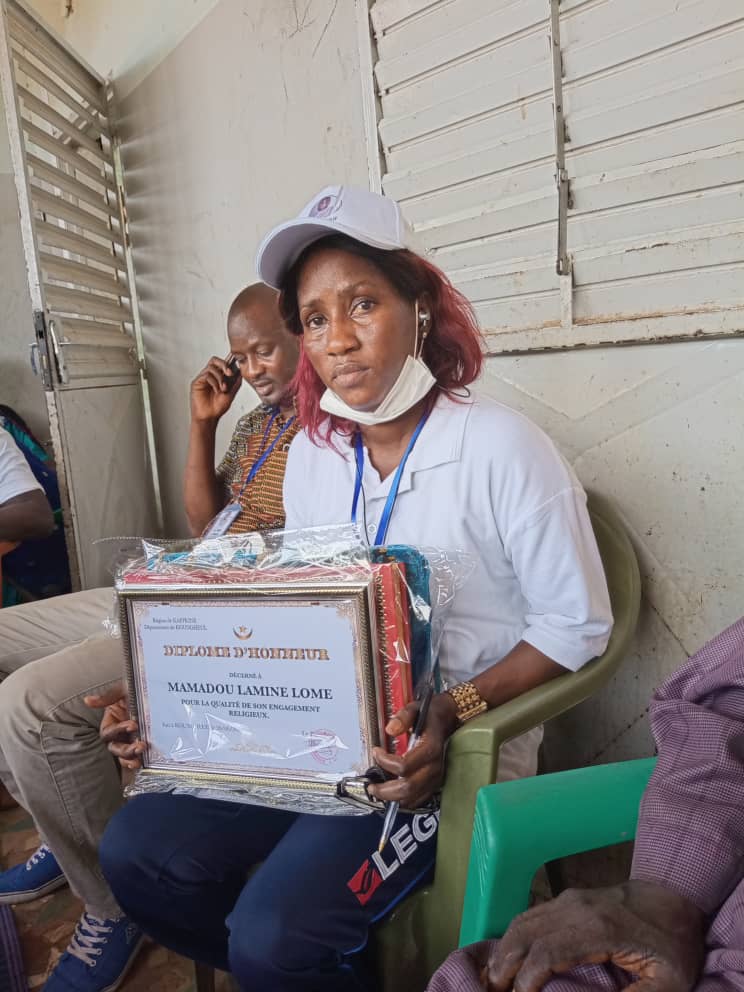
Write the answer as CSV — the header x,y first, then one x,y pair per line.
x,y
393,439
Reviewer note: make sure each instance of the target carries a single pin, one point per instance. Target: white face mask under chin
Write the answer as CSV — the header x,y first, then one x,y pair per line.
x,y
411,386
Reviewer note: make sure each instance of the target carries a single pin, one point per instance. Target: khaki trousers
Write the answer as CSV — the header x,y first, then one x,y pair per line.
x,y
52,654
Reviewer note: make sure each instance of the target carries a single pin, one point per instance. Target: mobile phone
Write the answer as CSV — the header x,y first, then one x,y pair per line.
x,y
232,364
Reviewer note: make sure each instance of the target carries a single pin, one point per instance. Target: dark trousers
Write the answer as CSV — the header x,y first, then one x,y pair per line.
x,y
178,866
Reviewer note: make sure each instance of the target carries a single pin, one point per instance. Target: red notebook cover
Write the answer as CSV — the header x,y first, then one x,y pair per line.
x,y
394,636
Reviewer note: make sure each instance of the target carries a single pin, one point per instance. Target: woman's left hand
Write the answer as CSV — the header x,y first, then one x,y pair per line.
x,y
420,773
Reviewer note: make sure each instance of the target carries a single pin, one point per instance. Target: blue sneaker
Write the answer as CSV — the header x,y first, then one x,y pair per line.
x,y
38,877
98,957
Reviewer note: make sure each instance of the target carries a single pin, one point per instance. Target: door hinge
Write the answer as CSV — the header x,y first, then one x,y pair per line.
x,y
563,260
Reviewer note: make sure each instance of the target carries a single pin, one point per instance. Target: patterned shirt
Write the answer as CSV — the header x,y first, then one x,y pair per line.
x,y
261,500
691,826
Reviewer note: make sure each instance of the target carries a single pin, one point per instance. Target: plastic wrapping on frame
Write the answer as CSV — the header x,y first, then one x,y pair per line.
x,y
215,734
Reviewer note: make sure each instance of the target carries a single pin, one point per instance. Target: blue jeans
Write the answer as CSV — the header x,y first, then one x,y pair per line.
x,y
178,866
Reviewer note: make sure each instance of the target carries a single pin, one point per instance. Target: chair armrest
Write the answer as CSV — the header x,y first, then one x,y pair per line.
x,y
522,824
488,732
473,761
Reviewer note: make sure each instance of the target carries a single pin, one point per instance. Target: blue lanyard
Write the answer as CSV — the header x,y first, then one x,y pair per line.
x,y
263,455
382,527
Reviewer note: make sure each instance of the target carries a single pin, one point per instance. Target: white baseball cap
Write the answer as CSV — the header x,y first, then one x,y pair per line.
x,y
367,217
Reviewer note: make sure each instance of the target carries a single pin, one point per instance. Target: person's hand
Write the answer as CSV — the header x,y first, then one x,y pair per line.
x,y
213,390
647,930
420,773
118,730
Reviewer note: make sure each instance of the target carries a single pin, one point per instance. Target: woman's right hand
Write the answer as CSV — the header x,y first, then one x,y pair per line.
x,y
214,389
117,729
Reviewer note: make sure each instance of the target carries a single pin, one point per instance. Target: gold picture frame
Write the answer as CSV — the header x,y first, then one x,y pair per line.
x,y
350,600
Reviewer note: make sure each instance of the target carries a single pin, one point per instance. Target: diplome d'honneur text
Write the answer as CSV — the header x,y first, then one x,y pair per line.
x,y
254,683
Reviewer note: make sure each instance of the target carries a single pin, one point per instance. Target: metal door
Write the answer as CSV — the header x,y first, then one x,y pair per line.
x,y
88,345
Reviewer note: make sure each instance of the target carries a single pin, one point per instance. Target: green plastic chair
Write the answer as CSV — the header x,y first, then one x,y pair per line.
x,y
411,944
424,929
521,825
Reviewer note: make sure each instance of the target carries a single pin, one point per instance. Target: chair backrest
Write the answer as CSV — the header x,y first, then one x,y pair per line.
x,y
624,584
526,823
431,916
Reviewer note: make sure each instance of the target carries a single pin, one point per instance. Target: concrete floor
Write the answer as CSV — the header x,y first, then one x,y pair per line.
x,y
46,925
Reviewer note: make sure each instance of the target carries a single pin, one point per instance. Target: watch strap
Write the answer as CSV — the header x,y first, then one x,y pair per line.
x,y
468,700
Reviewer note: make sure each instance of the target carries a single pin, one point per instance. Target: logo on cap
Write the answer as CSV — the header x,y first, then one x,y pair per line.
x,y
324,207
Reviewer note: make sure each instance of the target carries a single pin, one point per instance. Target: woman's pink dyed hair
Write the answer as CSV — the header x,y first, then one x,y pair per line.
x,y
453,349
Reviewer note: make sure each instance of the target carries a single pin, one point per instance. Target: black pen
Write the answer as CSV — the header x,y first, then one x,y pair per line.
x,y
392,810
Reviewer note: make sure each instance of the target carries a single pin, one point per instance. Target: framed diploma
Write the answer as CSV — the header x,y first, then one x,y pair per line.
x,y
268,683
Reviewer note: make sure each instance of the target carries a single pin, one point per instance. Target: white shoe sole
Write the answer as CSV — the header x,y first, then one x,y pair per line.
x,y
132,958
28,895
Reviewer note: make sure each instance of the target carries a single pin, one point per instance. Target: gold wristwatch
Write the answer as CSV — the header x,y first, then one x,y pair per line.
x,y
468,700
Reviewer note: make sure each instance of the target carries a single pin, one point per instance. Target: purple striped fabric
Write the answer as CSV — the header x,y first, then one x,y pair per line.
x,y
691,826
12,975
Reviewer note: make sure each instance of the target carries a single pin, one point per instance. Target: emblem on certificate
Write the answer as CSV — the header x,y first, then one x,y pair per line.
x,y
275,682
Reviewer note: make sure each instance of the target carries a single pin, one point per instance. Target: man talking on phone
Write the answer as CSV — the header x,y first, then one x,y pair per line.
x,y
246,490
58,661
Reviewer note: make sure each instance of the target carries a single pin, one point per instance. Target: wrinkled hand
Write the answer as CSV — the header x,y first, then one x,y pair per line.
x,y
118,730
643,928
420,773
211,393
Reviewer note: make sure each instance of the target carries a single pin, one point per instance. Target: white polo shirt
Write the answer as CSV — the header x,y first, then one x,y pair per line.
x,y
485,480
16,477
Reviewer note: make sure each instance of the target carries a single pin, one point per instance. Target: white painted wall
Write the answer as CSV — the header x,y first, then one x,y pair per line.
x,y
659,429
19,387
123,39
253,112
257,107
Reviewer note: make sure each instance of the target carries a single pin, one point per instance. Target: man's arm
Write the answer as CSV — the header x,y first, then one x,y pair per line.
x,y
689,849
26,516
24,509
691,828
203,495
212,393
642,928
